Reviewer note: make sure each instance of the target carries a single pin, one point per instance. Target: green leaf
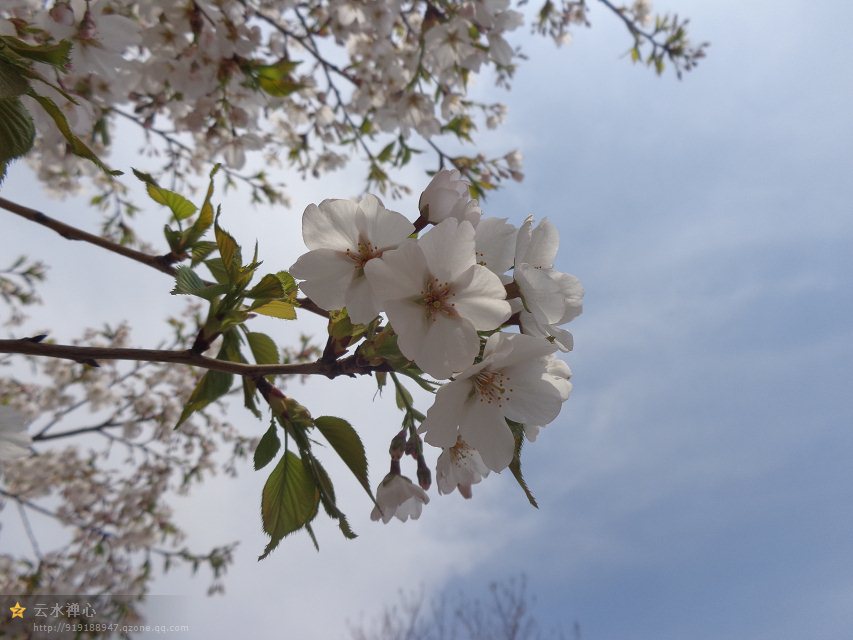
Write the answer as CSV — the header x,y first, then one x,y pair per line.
x,y
17,131
77,147
229,250
56,55
327,497
201,250
12,83
180,206
205,218
212,386
269,287
263,348
277,309
268,447
515,466
217,270
275,79
346,443
249,392
287,282
289,501
187,282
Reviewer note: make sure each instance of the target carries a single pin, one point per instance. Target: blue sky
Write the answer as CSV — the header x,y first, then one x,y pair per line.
x,y
698,482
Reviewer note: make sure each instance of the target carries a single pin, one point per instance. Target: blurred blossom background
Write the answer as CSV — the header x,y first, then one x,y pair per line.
x,y
697,484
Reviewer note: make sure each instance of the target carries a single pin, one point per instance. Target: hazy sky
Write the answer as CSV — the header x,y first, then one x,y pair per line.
x,y
698,483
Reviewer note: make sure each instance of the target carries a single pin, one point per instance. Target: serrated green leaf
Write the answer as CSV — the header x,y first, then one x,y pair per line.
x,y
187,282
77,146
289,501
229,251
287,282
267,448
56,55
345,441
201,250
264,348
270,287
181,207
17,131
277,309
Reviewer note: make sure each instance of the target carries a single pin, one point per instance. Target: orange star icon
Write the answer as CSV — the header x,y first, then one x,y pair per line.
x,y
17,611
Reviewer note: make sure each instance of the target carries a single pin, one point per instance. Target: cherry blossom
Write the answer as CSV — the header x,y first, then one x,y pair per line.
x,y
515,380
549,297
344,236
447,196
437,298
398,496
459,467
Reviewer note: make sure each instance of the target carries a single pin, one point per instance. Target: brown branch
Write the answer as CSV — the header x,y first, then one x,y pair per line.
x,y
351,366
161,263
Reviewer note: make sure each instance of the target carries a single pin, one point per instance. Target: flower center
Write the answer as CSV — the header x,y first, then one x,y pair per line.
x,y
492,387
365,251
436,298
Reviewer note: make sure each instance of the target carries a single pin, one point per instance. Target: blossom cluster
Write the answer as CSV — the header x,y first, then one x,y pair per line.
x,y
218,79
109,488
448,295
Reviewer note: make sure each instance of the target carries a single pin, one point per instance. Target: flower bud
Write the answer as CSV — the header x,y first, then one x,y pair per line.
x,y
424,474
398,445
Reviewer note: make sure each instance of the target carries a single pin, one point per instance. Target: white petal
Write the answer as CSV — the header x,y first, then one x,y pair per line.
x,y
442,418
479,297
327,275
360,303
486,430
410,323
448,249
494,244
331,225
400,273
544,242
541,292
450,345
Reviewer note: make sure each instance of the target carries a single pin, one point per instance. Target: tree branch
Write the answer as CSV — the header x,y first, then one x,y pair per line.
x,y
351,366
161,263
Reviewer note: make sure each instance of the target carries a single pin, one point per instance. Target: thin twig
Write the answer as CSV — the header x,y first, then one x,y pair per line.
x,y
161,263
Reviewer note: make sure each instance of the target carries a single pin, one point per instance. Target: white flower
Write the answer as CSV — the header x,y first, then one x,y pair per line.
x,y
14,439
437,298
516,380
550,297
447,196
460,466
559,374
494,244
344,236
398,496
